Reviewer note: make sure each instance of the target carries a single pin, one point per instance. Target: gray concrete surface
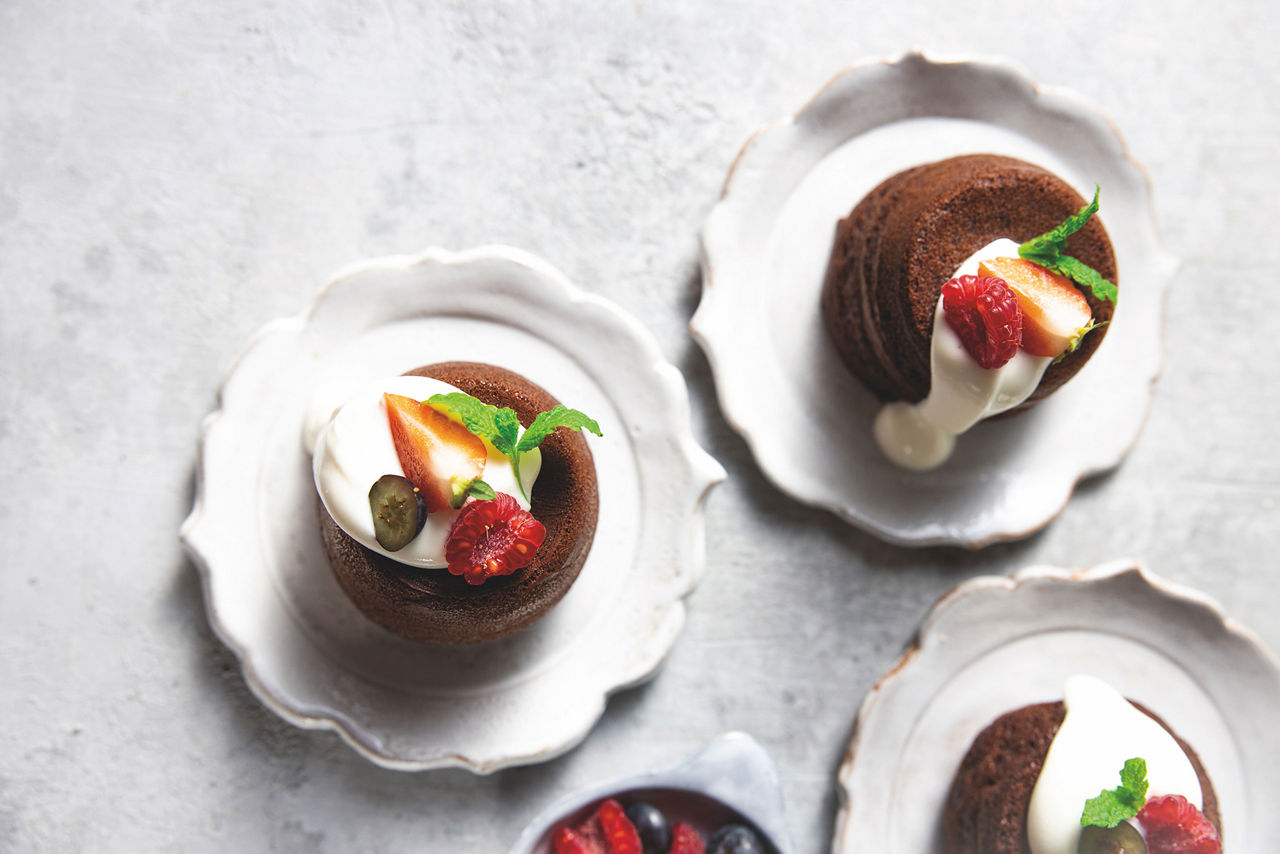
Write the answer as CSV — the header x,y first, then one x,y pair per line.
x,y
174,175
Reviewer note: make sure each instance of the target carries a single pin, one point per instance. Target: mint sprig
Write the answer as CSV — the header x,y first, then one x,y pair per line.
x,y
502,428
478,489
481,419
1046,250
545,423
1113,806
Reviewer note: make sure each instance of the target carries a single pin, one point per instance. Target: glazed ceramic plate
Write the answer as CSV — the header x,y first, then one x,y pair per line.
x,y
995,644
765,250
732,780
306,651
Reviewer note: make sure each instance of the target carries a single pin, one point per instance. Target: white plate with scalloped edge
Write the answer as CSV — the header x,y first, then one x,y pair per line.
x,y
764,252
309,654
994,644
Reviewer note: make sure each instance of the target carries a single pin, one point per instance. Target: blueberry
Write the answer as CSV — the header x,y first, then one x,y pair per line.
x,y
399,511
735,839
1121,839
653,827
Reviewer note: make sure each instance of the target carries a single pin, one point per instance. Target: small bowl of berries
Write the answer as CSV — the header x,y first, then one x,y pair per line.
x,y
726,800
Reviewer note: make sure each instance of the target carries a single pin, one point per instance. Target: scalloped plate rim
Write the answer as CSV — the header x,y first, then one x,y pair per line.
x,y
703,472
927,634
922,535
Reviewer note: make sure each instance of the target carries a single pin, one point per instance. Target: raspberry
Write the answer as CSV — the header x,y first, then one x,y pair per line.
x,y
685,840
1173,825
986,315
494,537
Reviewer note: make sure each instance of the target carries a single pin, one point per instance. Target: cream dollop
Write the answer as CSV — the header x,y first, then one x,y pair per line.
x,y
921,436
1101,731
352,448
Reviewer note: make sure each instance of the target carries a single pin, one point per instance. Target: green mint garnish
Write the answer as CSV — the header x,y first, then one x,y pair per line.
x,y
479,489
501,427
1113,806
1046,250
546,423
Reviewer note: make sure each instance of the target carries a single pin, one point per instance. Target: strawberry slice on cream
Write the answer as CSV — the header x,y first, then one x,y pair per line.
x,y
1055,314
440,456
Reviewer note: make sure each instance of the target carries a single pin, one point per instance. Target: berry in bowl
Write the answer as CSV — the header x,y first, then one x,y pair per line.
x,y
631,824
726,800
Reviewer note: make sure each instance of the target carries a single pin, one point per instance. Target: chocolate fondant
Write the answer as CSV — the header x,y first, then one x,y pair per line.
x,y
905,239
434,605
986,810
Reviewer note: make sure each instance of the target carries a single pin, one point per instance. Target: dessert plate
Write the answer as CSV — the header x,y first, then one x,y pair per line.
x,y
995,644
305,650
732,779
764,254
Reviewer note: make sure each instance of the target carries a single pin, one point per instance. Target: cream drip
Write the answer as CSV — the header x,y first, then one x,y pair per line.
x,y
921,436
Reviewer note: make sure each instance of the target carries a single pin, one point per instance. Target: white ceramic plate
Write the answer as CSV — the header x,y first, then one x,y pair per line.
x,y
731,780
765,248
309,655
995,644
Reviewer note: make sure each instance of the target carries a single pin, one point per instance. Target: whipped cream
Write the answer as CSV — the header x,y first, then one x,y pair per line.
x,y
1101,731
352,448
921,436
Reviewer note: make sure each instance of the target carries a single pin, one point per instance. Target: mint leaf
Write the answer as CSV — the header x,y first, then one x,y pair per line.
x,y
547,422
1106,810
476,416
481,490
1046,250
1113,806
1081,273
1052,243
502,428
499,426
1133,779
508,430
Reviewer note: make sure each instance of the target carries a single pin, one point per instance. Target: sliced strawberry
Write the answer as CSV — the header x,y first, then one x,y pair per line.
x,y
1054,312
618,829
685,840
605,831
494,537
567,841
1173,825
439,455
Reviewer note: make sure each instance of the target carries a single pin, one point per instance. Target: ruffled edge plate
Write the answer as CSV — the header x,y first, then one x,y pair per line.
x,y
994,644
271,597
779,380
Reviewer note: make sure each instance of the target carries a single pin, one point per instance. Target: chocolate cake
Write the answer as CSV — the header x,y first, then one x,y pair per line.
x,y
432,604
905,240
986,809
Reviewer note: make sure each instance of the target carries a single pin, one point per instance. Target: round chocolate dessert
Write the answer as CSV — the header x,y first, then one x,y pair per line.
x,y
907,237
986,809
434,605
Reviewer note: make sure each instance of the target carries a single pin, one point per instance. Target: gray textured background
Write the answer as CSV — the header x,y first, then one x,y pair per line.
x,y
174,175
